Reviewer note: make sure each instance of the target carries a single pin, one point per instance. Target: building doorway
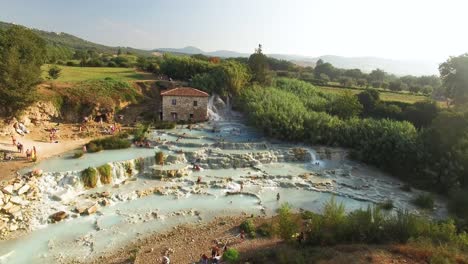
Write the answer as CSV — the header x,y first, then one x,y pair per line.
x,y
174,116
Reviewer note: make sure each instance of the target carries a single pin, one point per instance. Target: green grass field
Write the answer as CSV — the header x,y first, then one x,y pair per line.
x,y
76,74
385,96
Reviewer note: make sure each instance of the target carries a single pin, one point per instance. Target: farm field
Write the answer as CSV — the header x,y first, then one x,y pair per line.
x,y
385,96
76,74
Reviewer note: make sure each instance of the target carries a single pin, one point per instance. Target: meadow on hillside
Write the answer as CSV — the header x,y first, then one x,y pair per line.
x,y
76,74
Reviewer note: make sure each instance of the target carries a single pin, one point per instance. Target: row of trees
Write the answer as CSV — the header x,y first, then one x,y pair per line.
x,y
325,72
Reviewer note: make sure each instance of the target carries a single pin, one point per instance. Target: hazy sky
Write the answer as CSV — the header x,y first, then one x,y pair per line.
x,y
399,29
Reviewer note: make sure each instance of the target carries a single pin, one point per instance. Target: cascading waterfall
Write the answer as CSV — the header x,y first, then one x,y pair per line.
x,y
213,114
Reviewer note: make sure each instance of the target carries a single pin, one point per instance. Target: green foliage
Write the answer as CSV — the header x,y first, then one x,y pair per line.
x,y
231,255
387,205
54,72
287,225
164,125
226,78
159,157
454,75
373,226
425,201
22,53
89,177
184,68
369,99
78,154
345,106
105,173
258,64
458,203
93,147
265,230
139,133
114,142
248,226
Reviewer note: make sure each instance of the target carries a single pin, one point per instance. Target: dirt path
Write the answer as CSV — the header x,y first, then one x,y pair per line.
x,y
68,138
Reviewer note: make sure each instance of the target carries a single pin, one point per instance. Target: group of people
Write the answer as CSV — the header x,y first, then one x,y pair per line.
x,y
31,154
215,255
143,143
111,129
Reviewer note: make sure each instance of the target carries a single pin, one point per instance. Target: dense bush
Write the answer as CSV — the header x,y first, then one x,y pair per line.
x,y
89,177
164,125
105,174
288,225
139,133
248,227
78,154
91,147
265,230
281,114
458,203
231,255
374,226
425,201
114,142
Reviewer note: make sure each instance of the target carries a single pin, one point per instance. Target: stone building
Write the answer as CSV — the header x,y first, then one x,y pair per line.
x,y
184,103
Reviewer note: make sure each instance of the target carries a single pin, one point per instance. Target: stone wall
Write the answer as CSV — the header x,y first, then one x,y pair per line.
x,y
184,107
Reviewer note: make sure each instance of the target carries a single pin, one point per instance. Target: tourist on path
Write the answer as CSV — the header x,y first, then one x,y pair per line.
x,y
28,154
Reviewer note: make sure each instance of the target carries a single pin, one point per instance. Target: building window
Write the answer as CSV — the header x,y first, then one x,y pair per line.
x,y
195,103
191,115
174,101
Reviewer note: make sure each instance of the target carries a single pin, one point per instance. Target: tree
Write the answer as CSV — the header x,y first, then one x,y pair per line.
x,y
22,53
258,64
54,72
377,75
345,106
395,86
325,68
324,77
454,75
119,51
369,99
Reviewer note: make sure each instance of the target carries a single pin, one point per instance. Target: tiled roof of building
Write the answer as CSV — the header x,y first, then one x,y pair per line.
x,y
185,91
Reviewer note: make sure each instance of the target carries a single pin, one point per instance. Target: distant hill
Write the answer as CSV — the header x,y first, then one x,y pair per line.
x,y
70,43
366,64
62,45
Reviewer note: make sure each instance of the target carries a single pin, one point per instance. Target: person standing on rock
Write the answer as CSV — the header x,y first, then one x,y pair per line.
x,y
13,139
277,197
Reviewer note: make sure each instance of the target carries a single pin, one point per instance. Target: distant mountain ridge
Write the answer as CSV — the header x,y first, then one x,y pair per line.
x,y
366,64
64,43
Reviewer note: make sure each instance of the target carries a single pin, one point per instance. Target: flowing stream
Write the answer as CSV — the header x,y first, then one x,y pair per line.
x,y
240,172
